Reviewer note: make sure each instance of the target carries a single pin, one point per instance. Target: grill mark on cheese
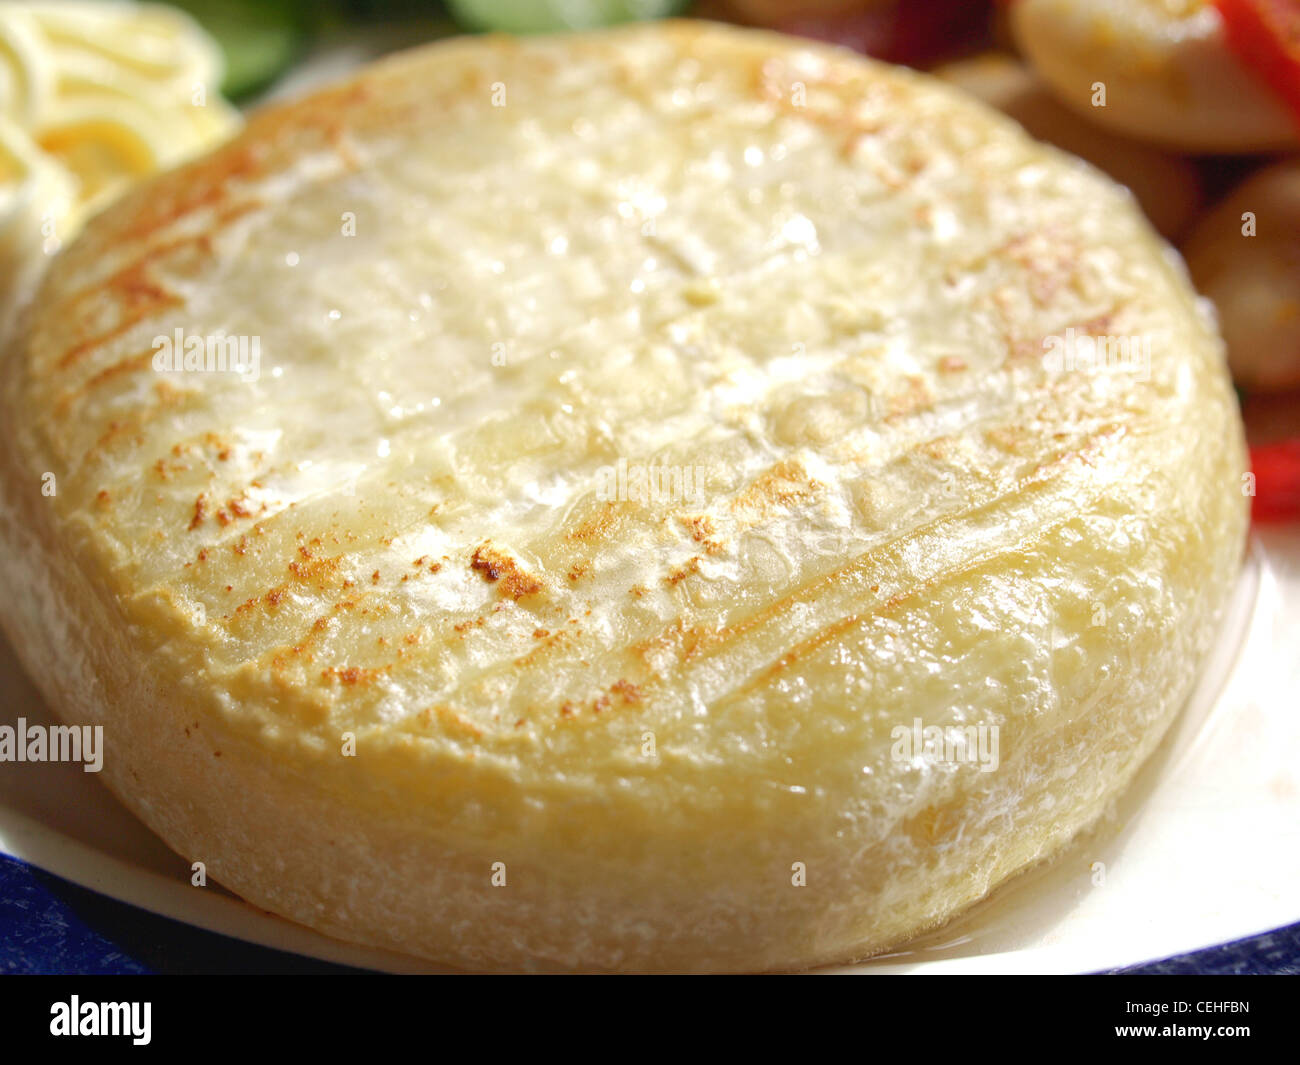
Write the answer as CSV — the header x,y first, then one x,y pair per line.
x,y
783,485
451,721
135,292
209,187
354,675
128,365
314,570
495,565
604,523
127,322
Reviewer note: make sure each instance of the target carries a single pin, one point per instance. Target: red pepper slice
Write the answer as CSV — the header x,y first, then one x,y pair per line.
x,y
1277,480
1265,35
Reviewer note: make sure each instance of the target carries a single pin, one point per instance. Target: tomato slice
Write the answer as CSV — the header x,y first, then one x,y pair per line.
x,y
1265,35
1277,481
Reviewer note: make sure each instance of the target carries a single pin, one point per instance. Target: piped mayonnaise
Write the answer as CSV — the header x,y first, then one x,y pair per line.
x,y
92,97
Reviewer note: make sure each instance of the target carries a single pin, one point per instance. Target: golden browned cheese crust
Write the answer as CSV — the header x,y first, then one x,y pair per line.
x,y
490,281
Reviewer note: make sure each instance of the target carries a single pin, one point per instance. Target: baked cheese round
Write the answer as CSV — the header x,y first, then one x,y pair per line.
x,y
674,498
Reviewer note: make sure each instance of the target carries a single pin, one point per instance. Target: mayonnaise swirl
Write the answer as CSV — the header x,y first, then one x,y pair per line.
x,y
92,97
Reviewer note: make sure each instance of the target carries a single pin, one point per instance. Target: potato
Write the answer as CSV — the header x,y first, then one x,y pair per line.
x,y
1156,70
1245,257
